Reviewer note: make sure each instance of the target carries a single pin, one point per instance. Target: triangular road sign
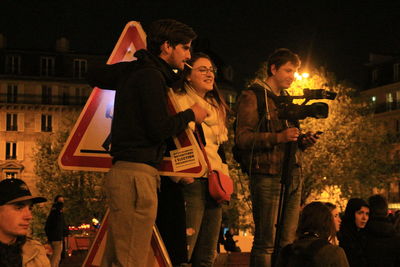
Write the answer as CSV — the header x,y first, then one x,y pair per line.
x,y
87,146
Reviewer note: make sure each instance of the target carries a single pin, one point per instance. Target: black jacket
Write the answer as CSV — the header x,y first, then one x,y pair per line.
x,y
353,241
383,244
55,227
141,121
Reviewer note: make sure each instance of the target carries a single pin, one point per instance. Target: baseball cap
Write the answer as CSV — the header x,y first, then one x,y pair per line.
x,y
15,190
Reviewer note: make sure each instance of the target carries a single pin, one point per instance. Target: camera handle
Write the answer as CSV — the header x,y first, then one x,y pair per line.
x,y
286,180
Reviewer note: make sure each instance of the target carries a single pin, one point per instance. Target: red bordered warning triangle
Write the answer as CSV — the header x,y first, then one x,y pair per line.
x,y
158,256
88,144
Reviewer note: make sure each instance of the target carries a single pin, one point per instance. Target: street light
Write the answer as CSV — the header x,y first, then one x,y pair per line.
x,y
299,76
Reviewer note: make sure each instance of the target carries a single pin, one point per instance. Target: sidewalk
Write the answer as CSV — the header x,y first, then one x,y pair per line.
x,y
75,260
234,259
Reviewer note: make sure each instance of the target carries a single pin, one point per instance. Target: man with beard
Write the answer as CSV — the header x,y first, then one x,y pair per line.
x,y
141,124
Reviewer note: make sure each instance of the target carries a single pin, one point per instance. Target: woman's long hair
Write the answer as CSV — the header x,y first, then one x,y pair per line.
x,y
214,97
316,219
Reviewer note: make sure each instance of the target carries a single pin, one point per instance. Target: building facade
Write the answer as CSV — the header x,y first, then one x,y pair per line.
x,y
37,89
383,92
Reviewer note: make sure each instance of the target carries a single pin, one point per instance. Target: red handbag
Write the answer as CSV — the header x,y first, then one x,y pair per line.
x,y
220,185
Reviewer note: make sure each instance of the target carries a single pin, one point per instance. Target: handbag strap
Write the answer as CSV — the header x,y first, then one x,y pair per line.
x,y
202,148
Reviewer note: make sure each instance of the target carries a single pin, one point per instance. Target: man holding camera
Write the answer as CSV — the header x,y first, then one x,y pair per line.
x,y
261,138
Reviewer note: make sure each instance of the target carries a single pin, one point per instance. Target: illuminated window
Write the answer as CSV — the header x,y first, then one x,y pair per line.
x,y
10,174
12,122
46,123
389,101
11,150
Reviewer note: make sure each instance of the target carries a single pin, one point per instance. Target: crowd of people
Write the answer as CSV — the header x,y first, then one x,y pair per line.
x,y
188,217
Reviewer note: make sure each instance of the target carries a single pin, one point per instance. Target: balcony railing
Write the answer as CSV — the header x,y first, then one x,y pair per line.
x,y
45,100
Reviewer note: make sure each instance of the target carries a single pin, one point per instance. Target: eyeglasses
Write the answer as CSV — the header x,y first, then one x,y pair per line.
x,y
205,70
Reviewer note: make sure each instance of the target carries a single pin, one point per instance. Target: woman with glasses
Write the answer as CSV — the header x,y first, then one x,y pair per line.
x,y
203,214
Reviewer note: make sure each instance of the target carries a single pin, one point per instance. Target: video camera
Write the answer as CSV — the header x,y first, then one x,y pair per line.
x,y
289,111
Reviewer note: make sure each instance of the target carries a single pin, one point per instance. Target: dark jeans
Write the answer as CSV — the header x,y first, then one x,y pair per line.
x,y
203,221
265,191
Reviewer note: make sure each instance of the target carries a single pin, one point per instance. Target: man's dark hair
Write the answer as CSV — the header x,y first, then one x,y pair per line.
x,y
378,206
280,57
172,31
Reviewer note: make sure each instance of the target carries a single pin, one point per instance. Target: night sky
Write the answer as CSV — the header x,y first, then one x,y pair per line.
x,y
336,34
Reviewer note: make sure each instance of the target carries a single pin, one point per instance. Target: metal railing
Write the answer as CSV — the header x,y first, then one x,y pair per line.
x,y
43,100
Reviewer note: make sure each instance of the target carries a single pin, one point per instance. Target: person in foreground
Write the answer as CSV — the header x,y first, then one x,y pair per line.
x,y
202,214
262,137
140,126
16,249
312,248
352,236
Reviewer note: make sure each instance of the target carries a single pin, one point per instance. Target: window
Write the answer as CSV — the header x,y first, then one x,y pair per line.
x,y
389,101
398,99
80,95
396,72
46,123
13,64
12,93
80,68
65,95
375,75
11,122
46,94
10,174
231,100
11,150
47,66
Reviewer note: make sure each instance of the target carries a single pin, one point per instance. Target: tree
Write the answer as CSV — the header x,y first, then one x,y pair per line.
x,y
352,153
82,190
238,213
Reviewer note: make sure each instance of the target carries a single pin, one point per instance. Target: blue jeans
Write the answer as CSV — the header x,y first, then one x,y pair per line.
x,y
265,191
203,221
